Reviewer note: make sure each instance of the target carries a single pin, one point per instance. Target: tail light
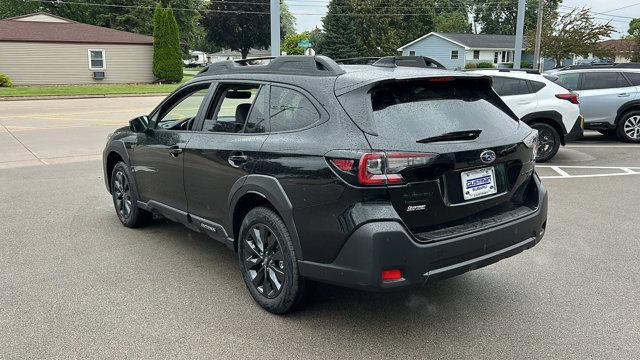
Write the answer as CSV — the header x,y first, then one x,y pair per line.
x,y
381,168
572,98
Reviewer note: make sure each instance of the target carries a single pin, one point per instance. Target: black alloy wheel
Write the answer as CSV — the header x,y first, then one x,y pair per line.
x,y
268,262
264,261
122,194
125,197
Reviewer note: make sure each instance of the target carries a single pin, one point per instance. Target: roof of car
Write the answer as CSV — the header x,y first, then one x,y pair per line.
x,y
359,75
297,70
511,74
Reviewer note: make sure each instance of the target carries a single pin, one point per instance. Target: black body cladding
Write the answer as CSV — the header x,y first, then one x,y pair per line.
x,y
311,173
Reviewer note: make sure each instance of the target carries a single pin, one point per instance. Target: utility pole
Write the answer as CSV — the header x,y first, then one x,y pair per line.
x,y
536,51
275,27
519,35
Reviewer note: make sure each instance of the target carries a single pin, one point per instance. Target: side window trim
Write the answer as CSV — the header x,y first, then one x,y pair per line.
x,y
324,116
263,88
179,95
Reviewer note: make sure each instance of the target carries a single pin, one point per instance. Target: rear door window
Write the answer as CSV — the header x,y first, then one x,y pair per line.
x,y
415,110
633,77
291,110
569,81
505,86
603,80
536,85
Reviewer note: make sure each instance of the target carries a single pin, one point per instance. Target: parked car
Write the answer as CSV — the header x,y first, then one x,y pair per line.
x,y
542,104
609,98
366,176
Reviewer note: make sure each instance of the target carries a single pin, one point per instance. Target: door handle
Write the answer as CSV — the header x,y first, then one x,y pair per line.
x,y
524,102
623,95
237,159
175,151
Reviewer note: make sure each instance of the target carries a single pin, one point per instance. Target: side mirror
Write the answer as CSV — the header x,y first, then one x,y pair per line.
x,y
139,124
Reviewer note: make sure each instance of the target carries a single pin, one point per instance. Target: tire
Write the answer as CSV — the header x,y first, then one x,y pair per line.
x,y
125,197
549,141
628,128
265,247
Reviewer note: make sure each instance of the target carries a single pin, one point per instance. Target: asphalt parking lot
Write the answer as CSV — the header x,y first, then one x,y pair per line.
x,y
74,283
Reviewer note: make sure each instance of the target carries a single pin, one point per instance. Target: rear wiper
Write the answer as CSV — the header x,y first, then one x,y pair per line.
x,y
451,136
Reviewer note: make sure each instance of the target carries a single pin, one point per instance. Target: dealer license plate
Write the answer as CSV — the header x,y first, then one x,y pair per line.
x,y
478,183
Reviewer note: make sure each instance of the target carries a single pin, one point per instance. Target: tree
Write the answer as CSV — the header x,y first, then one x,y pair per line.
x,y
634,35
287,21
239,27
340,39
126,15
573,33
453,22
167,56
499,16
290,43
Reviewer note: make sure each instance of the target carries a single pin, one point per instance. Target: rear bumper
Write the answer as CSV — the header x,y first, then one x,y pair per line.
x,y
577,131
381,245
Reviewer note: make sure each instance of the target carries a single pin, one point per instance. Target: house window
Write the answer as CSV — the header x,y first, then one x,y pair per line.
x,y
476,54
454,54
495,57
97,60
412,53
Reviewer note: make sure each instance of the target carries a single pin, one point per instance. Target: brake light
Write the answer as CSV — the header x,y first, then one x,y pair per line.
x,y
343,164
442,79
391,275
572,98
381,168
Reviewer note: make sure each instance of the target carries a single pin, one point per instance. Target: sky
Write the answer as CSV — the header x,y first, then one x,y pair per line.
x,y
309,12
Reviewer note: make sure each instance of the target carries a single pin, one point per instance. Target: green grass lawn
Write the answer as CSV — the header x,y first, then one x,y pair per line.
x,y
92,89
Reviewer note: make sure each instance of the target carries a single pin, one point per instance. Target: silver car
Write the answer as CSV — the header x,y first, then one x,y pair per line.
x,y
609,98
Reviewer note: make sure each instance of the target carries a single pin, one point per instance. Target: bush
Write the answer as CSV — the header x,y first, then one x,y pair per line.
x,y
470,66
5,80
484,65
167,55
524,64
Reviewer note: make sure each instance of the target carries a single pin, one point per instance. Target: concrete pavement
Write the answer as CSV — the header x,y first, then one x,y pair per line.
x,y
74,283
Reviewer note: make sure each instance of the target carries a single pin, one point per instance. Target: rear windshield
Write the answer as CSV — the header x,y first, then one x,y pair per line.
x,y
419,109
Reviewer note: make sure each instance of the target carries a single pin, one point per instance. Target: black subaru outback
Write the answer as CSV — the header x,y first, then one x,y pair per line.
x,y
375,177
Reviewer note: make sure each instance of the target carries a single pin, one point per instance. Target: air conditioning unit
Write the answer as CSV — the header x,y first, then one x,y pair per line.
x,y
98,75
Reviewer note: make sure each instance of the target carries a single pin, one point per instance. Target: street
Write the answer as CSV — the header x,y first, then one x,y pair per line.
x,y
75,283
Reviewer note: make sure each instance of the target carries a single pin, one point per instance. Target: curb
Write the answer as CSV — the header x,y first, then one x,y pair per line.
x,y
58,97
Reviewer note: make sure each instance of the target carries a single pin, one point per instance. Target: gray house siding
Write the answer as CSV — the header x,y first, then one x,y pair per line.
x,y
29,63
438,49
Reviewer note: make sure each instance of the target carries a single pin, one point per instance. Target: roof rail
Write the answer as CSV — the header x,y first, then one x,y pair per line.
x,y
284,65
528,71
358,60
408,61
601,66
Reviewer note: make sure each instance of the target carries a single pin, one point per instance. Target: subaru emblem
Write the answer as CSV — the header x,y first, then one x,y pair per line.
x,y
488,156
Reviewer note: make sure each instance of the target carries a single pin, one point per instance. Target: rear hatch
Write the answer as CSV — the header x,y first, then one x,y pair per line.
x,y
454,151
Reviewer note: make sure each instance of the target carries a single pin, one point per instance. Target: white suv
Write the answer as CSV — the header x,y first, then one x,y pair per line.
x,y
542,104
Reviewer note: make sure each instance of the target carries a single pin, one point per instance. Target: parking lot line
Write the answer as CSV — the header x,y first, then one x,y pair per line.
x,y
559,171
562,174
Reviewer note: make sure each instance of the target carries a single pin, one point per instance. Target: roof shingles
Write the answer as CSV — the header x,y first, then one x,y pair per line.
x,y
66,32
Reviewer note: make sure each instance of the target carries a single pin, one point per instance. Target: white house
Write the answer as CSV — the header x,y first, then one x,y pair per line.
x,y
454,50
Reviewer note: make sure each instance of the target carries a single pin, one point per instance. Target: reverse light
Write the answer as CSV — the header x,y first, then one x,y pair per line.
x,y
391,275
570,97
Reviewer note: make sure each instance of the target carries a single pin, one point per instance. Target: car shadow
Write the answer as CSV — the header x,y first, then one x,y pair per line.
x,y
484,293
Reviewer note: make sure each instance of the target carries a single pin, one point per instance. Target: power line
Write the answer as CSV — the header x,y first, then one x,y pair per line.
x,y
620,8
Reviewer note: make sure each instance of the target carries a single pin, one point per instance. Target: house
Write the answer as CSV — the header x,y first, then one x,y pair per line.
x,y
41,48
227,54
622,48
455,50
